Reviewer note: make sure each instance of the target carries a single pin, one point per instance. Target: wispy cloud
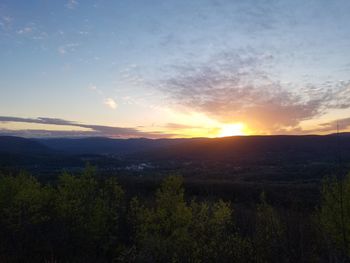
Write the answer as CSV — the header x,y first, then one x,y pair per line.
x,y
110,103
94,88
32,31
5,22
72,4
95,130
70,47
235,87
342,124
25,30
178,126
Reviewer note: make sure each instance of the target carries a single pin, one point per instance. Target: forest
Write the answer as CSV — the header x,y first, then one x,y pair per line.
x,y
87,217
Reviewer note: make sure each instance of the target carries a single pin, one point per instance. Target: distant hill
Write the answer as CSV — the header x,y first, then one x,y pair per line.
x,y
257,149
100,145
242,158
341,134
237,148
18,145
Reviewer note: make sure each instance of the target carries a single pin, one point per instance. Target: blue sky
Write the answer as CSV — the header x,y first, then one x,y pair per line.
x,y
174,68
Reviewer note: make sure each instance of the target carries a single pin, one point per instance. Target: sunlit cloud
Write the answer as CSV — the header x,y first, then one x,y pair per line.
x,y
234,87
110,103
107,101
341,124
178,126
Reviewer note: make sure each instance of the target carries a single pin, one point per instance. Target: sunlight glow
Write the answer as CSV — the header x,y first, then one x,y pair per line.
x,y
232,130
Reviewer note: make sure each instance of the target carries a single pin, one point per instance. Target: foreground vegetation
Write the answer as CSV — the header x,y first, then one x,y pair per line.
x,y
85,218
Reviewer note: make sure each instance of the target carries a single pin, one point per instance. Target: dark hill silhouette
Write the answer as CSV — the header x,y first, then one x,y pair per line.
x,y
252,149
257,149
248,158
101,145
17,145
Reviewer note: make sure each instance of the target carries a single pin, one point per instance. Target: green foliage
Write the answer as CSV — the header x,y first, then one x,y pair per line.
x,y
89,210
269,237
25,210
162,231
83,218
334,213
174,231
23,201
214,235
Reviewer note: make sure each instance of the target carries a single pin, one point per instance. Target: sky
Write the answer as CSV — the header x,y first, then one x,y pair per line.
x,y
167,69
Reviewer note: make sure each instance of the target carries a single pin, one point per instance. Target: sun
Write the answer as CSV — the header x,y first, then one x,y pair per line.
x,y
232,130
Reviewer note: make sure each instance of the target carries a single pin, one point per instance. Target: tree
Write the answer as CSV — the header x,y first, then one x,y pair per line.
x,y
162,231
269,239
174,231
334,213
214,235
25,212
89,211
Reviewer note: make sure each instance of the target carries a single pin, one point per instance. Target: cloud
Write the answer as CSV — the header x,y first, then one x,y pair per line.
x,y
72,4
95,130
94,88
25,30
70,47
40,120
110,103
33,31
62,50
342,124
235,87
177,126
35,133
5,22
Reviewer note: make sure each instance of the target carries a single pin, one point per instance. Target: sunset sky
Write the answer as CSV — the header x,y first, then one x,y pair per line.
x,y
180,68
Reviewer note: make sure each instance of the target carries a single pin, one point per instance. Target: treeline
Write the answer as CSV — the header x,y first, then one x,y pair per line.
x,y
84,218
